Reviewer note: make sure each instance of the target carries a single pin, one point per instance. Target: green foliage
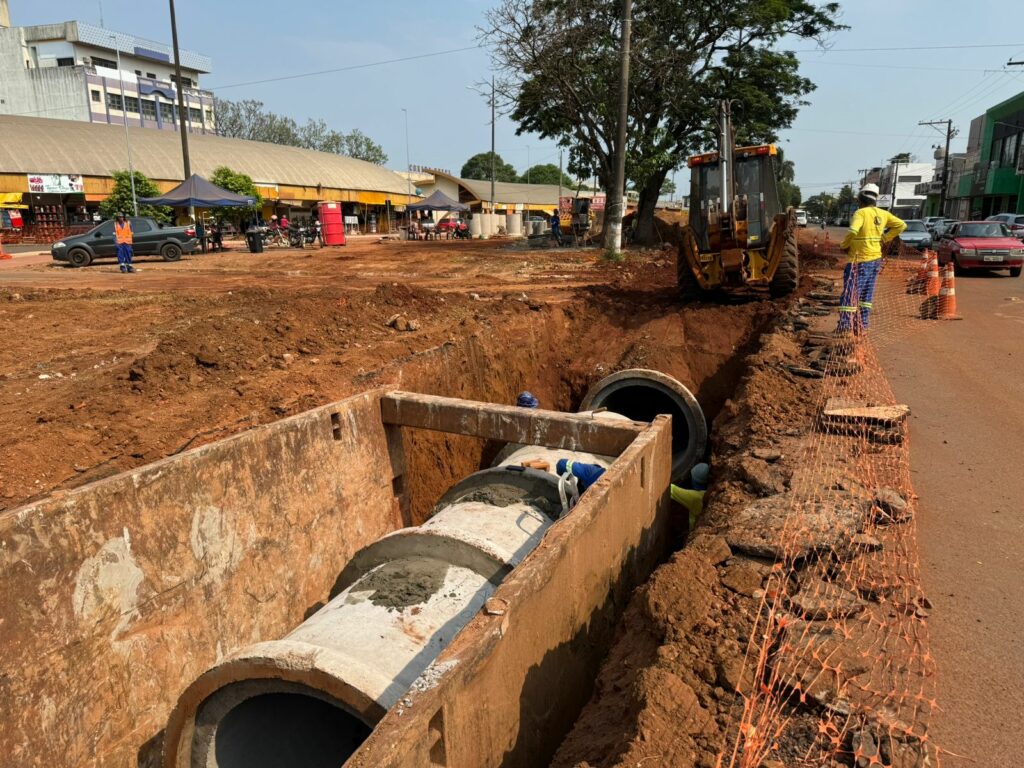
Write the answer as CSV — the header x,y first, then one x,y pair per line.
x,y
822,205
668,187
249,119
479,167
559,62
120,200
785,173
240,183
545,173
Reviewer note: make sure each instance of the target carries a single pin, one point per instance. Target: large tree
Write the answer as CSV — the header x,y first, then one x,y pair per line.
x,y
558,61
120,198
546,173
479,167
250,119
822,205
241,184
785,176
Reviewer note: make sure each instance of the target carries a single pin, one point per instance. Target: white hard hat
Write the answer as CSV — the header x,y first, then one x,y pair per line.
x,y
870,190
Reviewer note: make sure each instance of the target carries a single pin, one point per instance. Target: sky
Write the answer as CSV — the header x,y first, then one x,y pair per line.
x,y
866,106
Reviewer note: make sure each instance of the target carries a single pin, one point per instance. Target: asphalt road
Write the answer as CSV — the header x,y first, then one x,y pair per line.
x,y
964,382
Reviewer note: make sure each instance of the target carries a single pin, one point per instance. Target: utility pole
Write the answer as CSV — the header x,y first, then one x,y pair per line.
x,y
559,183
896,160
182,124
950,133
124,116
615,207
527,163
408,177
493,160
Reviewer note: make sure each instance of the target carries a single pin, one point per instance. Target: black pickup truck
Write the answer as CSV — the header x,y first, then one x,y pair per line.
x,y
150,239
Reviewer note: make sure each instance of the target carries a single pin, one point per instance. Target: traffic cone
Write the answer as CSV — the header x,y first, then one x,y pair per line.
x,y
916,283
3,254
947,295
814,245
933,283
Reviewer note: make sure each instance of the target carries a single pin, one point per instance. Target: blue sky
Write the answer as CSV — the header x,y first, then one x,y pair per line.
x,y
866,107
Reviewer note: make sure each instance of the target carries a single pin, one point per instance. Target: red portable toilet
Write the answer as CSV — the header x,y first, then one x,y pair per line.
x,y
332,223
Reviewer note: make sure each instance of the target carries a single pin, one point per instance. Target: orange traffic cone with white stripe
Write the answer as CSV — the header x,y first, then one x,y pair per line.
x,y
947,295
916,282
933,282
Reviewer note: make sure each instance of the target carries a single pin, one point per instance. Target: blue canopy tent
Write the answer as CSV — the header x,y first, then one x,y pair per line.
x,y
438,201
197,192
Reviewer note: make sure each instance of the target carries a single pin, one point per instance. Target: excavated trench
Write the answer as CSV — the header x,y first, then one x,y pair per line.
x,y
268,721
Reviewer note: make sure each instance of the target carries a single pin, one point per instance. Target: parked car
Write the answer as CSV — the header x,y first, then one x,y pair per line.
x,y
150,238
941,227
931,221
450,224
801,217
981,245
1014,221
916,235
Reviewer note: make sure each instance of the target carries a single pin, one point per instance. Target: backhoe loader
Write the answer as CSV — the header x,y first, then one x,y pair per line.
x,y
737,238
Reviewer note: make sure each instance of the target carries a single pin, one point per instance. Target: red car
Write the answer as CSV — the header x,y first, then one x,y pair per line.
x,y
981,245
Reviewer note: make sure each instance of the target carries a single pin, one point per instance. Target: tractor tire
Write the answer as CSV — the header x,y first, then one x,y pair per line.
x,y
170,252
79,257
787,274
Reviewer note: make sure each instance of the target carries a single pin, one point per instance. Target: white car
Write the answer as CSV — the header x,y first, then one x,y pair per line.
x,y
801,217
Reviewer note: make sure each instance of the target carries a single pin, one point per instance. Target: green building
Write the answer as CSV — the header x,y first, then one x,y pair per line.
x,y
995,183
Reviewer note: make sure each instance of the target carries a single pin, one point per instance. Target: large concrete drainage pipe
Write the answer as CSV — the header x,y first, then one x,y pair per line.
x,y
312,697
641,394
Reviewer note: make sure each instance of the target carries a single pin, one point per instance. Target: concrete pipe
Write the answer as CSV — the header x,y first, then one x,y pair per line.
x,y
641,394
312,697
474,226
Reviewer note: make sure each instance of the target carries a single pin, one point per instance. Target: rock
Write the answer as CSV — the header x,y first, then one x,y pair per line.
x,y
742,578
760,477
870,576
864,748
729,665
715,549
819,599
890,506
817,664
766,529
413,325
287,358
865,542
766,454
45,377
392,320
136,373
401,324
665,693
207,357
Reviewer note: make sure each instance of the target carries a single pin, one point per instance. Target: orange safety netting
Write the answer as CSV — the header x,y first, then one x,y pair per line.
x,y
841,637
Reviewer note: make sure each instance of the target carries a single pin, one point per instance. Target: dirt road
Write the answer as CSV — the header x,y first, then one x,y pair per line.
x,y
963,383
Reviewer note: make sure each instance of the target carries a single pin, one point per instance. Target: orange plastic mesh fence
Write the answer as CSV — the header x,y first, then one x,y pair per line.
x,y
842,634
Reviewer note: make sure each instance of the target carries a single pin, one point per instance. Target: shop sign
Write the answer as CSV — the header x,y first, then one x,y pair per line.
x,y
55,184
597,203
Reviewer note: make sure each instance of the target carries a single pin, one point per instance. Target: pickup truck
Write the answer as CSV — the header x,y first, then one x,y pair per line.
x,y
150,239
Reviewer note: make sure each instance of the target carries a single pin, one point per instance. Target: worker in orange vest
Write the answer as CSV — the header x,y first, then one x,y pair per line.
x,y
123,238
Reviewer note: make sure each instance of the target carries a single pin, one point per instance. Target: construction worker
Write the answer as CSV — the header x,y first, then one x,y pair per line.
x,y
586,474
871,227
527,400
556,227
123,238
693,498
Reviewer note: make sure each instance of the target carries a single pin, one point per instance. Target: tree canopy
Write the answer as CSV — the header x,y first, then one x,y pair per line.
x,y
558,62
120,199
822,205
249,119
785,174
231,180
545,173
479,167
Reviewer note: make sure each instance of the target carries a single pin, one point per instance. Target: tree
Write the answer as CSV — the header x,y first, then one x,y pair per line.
x,y
822,205
668,187
846,202
249,119
120,199
240,183
785,173
545,173
558,61
479,167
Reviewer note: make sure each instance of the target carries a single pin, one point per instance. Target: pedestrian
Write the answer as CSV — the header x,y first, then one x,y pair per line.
x,y
123,238
871,227
527,400
556,227
693,498
201,234
216,236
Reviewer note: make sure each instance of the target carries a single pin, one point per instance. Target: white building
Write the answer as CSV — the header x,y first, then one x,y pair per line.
x,y
69,71
908,203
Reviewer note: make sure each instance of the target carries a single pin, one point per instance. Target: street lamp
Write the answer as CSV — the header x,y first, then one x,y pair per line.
x,y
124,119
527,163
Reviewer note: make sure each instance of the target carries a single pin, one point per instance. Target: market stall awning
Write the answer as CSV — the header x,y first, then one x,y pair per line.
x,y
197,192
11,200
439,201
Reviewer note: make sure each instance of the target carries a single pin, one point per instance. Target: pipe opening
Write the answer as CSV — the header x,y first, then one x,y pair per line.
x,y
641,395
280,729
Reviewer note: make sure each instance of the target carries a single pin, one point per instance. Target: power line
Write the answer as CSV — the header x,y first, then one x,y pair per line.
x,y
907,48
891,66
346,69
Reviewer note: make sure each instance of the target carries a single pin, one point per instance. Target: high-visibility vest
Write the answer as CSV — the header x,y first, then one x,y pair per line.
x,y
123,233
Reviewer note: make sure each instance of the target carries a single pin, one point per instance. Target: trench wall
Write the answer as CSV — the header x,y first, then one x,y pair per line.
x,y
119,593
510,685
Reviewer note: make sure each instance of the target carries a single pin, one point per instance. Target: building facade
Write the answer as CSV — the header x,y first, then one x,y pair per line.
x,y
993,180
69,71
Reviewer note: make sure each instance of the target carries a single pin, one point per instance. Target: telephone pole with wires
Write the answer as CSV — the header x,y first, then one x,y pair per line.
x,y
950,133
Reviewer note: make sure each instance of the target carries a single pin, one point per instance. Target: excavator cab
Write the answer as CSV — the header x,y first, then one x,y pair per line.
x,y
738,235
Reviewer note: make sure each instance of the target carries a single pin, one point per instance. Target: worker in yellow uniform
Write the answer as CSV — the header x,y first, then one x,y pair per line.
x,y
123,238
693,498
871,227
